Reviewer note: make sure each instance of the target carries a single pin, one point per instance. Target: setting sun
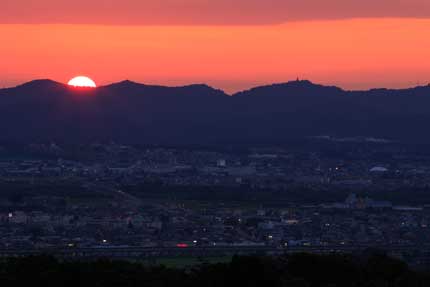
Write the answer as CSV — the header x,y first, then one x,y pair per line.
x,y
82,81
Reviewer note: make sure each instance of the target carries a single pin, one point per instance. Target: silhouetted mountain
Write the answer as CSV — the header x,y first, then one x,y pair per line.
x,y
295,88
44,110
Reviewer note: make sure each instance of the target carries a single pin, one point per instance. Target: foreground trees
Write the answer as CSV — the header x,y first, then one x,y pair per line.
x,y
296,270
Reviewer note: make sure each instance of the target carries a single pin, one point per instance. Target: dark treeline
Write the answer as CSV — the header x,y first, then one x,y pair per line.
x,y
16,192
275,197
295,270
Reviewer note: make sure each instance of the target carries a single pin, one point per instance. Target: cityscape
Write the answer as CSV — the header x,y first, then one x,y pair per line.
x,y
110,196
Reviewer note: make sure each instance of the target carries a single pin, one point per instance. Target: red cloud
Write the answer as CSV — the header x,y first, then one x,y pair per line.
x,y
201,12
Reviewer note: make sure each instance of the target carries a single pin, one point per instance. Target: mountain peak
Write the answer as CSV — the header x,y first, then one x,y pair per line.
x,y
203,88
41,83
123,84
134,88
38,86
298,87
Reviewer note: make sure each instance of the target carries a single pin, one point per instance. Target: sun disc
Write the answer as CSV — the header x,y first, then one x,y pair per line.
x,y
82,81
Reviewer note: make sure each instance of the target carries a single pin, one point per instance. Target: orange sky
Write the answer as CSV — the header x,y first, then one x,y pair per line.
x,y
352,53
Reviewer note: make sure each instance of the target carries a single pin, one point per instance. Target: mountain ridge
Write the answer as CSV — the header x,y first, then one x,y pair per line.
x,y
45,110
289,84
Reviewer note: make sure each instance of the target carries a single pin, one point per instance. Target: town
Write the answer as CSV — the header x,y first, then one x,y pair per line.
x,y
356,193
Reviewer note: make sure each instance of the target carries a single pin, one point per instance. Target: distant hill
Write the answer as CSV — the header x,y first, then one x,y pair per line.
x,y
44,110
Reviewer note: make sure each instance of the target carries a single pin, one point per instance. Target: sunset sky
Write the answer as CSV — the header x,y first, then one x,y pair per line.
x,y
232,45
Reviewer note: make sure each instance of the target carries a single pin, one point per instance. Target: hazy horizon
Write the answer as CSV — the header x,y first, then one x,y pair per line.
x,y
181,84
